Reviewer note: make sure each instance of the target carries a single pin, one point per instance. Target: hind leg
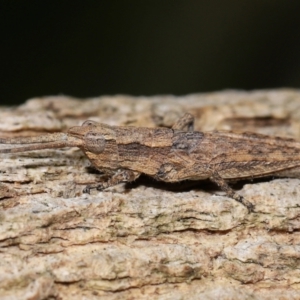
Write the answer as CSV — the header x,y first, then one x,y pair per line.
x,y
216,178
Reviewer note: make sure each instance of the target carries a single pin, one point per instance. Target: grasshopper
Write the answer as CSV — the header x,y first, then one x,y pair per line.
x,y
171,154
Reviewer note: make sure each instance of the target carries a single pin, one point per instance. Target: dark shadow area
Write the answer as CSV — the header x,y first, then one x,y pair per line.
x,y
91,48
185,186
181,186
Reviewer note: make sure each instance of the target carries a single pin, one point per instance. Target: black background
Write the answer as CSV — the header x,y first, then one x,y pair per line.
x,y
143,47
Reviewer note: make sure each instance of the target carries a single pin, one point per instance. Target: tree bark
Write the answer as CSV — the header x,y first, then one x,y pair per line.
x,y
146,240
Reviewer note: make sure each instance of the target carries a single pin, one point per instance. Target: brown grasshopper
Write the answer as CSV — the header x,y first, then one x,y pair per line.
x,y
171,154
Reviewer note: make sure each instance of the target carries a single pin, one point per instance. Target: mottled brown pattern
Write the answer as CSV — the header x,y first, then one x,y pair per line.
x,y
171,155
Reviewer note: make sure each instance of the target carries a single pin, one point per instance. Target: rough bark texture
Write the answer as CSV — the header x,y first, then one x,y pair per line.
x,y
146,240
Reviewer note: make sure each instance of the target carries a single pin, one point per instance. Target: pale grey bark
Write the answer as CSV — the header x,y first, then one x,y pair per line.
x,y
147,240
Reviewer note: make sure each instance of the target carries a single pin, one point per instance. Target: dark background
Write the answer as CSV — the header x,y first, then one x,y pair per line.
x,y
143,47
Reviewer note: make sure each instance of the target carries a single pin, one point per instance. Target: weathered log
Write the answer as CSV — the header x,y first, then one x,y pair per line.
x,y
146,240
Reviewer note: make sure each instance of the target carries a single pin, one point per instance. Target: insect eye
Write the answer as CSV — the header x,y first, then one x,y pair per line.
x,y
94,142
89,123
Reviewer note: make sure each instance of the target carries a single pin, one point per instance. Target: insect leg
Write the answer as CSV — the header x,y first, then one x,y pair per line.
x,y
216,178
187,120
121,176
